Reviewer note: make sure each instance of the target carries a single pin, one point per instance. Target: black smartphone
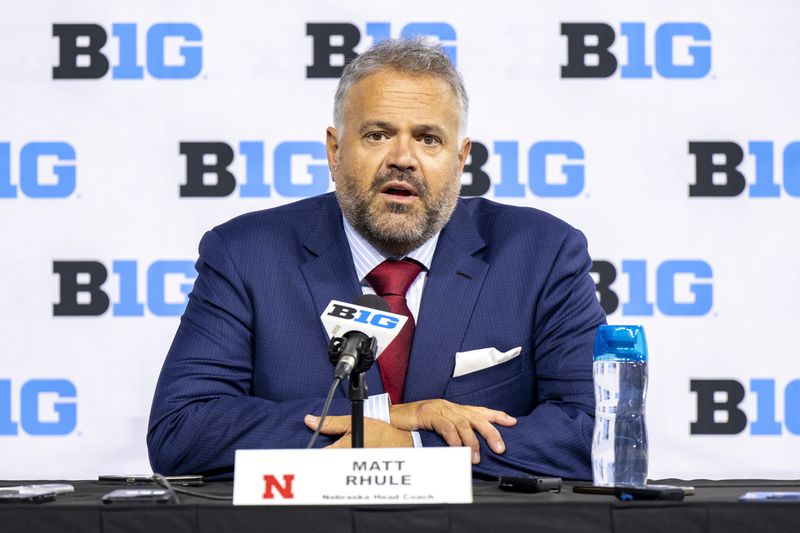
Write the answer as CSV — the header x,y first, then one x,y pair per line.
x,y
14,496
687,491
593,489
138,496
529,484
649,492
666,490
141,479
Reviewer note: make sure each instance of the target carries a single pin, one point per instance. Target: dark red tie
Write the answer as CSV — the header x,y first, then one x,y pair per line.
x,y
391,280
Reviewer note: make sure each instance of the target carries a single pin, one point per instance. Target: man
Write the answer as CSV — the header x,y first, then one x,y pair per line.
x,y
483,283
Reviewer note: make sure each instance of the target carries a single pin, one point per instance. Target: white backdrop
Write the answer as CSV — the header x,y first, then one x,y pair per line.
x,y
75,391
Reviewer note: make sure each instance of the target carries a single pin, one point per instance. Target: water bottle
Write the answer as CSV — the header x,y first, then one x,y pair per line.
x,y
619,446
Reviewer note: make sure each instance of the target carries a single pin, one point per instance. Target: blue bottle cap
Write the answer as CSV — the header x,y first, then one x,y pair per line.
x,y
620,343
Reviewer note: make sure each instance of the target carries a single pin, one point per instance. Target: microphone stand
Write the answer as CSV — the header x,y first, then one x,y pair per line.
x,y
357,392
357,388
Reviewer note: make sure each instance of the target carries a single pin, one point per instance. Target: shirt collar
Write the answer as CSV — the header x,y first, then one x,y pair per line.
x,y
366,257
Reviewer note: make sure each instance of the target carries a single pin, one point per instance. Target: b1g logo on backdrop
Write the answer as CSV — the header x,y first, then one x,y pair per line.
x,y
46,170
81,291
81,53
334,43
682,287
555,169
300,169
717,172
719,407
46,407
681,50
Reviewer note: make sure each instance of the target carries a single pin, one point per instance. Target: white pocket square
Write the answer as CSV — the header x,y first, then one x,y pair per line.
x,y
474,360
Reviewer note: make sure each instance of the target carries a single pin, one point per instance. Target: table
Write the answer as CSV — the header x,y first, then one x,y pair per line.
x,y
714,508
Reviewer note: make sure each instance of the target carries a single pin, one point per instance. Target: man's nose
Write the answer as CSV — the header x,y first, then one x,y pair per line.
x,y
401,154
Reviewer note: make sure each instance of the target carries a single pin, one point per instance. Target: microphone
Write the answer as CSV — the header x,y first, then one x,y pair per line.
x,y
368,326
356,346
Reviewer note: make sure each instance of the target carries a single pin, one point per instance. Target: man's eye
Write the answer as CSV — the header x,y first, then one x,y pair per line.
x,y
430,140
376,136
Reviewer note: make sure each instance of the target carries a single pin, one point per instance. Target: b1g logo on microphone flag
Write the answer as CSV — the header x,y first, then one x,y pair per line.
x,y
341,317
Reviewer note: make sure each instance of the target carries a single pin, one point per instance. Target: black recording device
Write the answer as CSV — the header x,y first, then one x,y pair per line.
x,y
529,484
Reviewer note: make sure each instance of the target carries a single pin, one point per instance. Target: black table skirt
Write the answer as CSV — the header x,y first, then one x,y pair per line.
x,y
714,508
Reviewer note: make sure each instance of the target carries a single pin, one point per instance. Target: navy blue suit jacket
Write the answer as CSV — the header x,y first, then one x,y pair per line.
x,y
249,359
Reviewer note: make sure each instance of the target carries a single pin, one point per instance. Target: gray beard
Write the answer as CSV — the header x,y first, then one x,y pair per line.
x,y
399,238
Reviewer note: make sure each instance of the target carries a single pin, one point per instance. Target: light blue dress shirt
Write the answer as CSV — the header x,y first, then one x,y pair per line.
x,y
365,258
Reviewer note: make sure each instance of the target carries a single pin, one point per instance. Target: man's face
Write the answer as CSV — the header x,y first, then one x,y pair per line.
x,y
398,162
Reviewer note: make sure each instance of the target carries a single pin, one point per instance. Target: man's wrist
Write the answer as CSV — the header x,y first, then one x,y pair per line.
x,y
377,407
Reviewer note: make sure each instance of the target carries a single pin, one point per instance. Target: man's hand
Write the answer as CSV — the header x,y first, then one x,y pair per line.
x,y
377,434
456,423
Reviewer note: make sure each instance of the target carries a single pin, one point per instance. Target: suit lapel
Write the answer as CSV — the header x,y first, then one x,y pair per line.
x,y
451,291
330,273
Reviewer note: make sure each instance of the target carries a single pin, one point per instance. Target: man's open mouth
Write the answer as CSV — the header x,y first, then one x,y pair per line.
x,y
399,189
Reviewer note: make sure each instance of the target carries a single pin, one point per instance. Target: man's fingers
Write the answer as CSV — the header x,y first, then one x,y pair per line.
x,y
334,425
458,434
457,424
492,415
468,423
468,438
448,431
481,418
490,434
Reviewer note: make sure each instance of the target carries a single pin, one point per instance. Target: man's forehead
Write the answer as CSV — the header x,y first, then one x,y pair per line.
x,y
390,92
394,84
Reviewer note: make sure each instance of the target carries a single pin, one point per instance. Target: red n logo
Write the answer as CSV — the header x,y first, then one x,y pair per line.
x,y
285,489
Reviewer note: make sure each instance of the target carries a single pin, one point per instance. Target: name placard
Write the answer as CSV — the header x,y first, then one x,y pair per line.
x,y
367,476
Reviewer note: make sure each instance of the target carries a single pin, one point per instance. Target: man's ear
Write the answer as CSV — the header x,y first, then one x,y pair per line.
x,y
463,153
332,149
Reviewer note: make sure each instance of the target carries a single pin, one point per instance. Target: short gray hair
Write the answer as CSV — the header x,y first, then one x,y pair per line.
x,y
414,56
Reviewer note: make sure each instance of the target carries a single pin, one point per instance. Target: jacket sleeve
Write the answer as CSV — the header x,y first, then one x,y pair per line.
x,y
555,437
203,409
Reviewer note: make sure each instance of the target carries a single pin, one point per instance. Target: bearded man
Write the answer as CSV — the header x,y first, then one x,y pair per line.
x,y
502,309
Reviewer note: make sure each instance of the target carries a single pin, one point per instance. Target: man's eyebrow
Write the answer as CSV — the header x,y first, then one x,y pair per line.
x,y
421,129
379,124
428,128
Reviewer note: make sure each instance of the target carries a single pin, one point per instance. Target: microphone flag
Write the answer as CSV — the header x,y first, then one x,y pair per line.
x,y
341,317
